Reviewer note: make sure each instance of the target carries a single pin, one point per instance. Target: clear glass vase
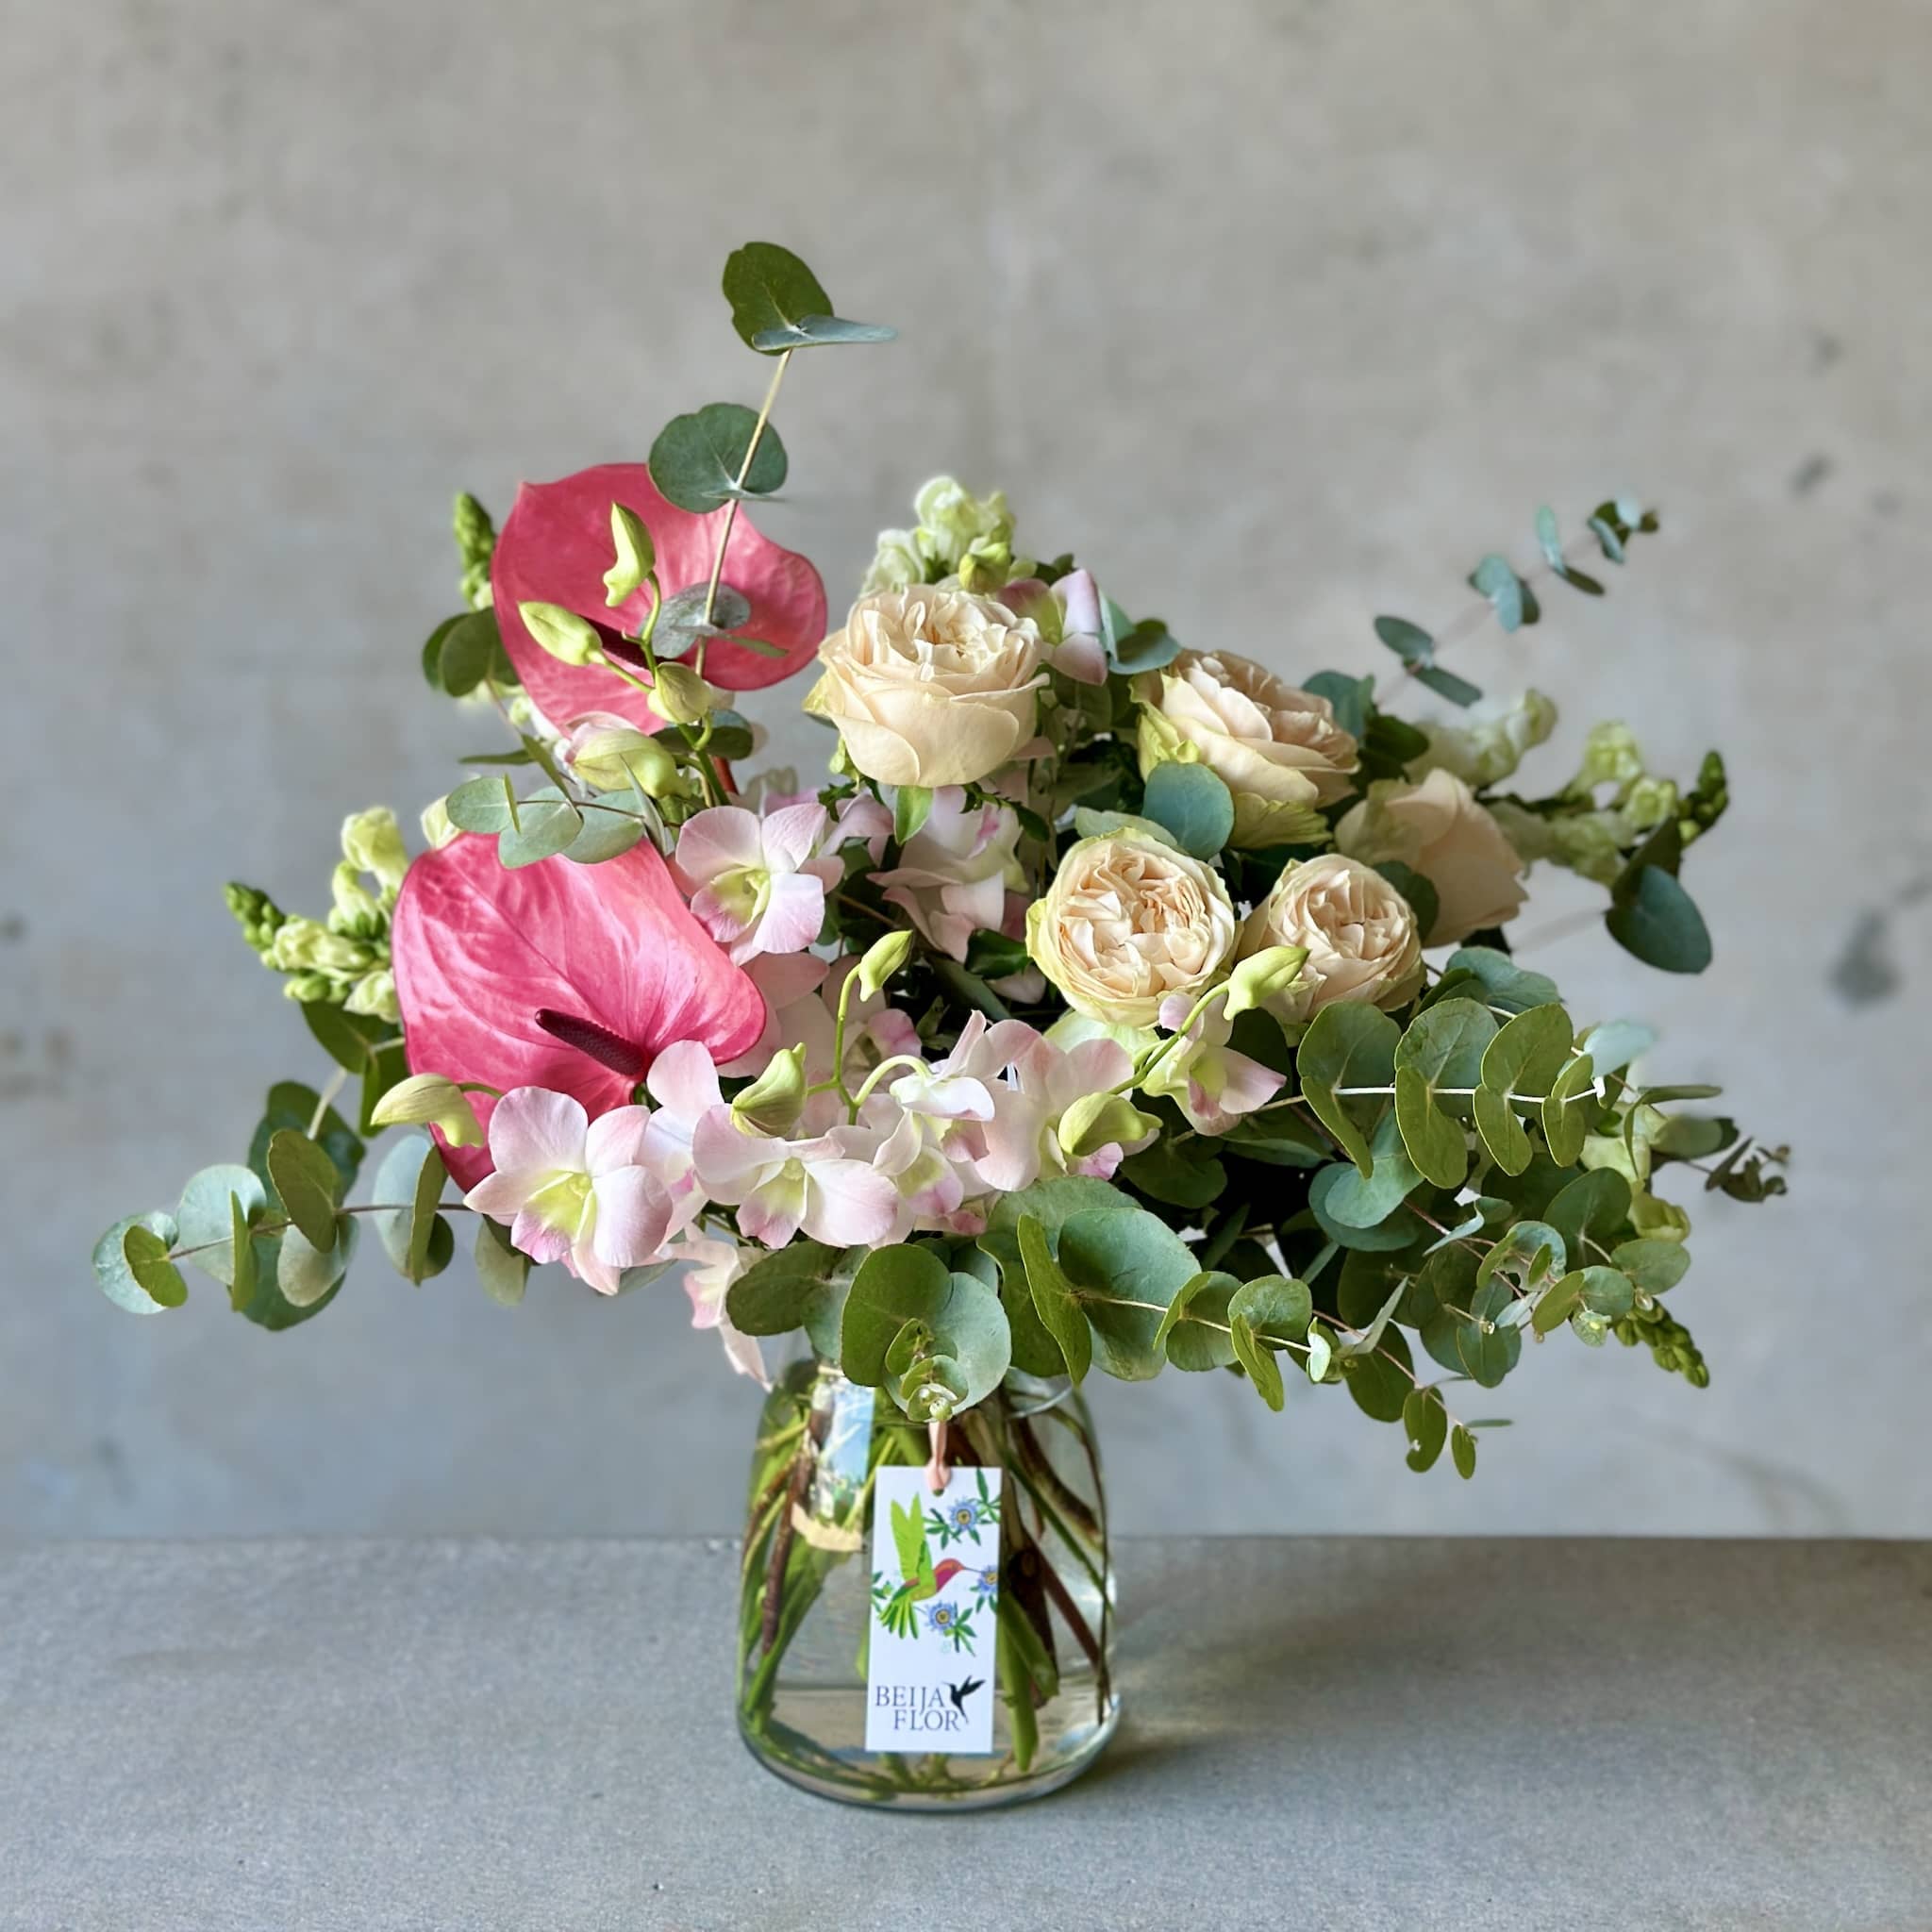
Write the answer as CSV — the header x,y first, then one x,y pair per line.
x,y
806,1592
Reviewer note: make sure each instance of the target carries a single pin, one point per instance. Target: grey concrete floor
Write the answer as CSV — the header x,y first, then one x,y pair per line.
x,y
1279,315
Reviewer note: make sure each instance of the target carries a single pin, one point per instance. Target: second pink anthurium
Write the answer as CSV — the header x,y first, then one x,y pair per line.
x,y
555,546
566,976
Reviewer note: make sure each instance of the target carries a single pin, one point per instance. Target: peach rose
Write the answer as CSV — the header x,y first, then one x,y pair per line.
x,y
1439,828
1358,932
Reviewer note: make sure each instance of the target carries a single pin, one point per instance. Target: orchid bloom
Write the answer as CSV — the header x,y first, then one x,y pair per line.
x,y
1068,616
1206,1078
555,546
954,873
755,883
572,977
712,1265
795,1014
1022,1139
779,1186
927,1119
572,1190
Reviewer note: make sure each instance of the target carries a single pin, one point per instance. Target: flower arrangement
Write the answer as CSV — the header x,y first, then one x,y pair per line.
x,y
1109,1004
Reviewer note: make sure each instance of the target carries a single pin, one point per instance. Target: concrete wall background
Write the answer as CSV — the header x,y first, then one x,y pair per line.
x,y
1279,314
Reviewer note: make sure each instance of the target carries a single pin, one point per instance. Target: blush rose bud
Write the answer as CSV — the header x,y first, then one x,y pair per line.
x,y
636,555
568,638
429,1100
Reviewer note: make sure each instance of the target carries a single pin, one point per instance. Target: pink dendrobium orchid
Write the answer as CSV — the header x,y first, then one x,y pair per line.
x,y
574,1189
712,1265
1204,1078
954,873
1068,616
755,883
822,1184
1022,1139
796,1014
571,978
555,546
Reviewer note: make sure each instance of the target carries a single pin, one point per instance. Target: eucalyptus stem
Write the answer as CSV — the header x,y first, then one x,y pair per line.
x,y
751,450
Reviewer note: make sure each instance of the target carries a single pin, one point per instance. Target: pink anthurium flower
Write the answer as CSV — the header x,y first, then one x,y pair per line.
x,y
756,885
555,546
574,1189
571,978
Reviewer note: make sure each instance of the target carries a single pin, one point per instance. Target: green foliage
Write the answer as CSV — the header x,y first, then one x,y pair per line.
x,y
1667,1339
1505,984
1193,805
1443,1048
502,1269
305,1180
465,650
1566,1111
1195,1332
205,1220
132,1266
1348,1044
1425,1423
936,1339
802,1285
1524,1060
1263,1315
778,304
1513,600
1417,649
408,1186
697,458
1056,1300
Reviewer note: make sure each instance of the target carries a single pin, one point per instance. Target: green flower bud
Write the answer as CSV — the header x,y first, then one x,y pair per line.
x,y
306,945
896,564
358,914
568,638
476,537
680,696
986,567
256,913
437,830
636,555
374,994
1610,757
1260,978
952,521
882,960
606,762
773,1103
373,842
429,1100
1650,801
1590,844
1096,1119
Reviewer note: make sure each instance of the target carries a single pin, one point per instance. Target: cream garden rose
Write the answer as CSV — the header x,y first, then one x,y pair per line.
x,y
930,686
1358,931
1277,747
1131,922
1440,829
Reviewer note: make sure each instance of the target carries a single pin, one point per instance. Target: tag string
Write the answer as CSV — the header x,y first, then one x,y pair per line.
x,y
938,1472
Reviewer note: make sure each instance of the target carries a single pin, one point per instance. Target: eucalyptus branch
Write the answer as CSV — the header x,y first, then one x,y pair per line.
x,y
751,450
361,1208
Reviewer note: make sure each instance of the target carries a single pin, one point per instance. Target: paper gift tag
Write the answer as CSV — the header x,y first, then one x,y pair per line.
x,y
935,1592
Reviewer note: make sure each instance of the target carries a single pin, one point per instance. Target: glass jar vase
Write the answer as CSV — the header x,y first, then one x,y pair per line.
x,y
806,1592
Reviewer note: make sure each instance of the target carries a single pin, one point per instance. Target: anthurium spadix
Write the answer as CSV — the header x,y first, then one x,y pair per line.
x,y
556,552
570,977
